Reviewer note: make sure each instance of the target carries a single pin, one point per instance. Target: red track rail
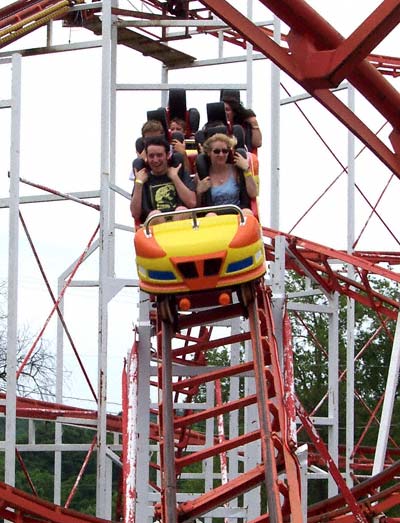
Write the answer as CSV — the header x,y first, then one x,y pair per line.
x,y
302,256
24,16
21,507
278,469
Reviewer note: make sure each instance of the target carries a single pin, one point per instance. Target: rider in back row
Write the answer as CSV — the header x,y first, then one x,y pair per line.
x,y
178,167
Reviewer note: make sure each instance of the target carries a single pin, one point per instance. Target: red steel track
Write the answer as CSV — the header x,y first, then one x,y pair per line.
x,y
278,466
24,16
16,505
278,450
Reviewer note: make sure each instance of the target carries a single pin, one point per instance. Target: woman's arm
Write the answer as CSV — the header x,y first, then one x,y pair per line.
x,y
202,187
256,136
243,164
251,186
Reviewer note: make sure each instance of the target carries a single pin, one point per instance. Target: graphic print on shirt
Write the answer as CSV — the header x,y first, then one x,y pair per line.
x,y
163,196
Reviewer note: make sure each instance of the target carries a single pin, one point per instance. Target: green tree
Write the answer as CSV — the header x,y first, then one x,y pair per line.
x,y
38,375
373,347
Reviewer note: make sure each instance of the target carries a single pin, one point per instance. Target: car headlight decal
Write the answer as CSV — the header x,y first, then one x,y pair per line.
x,y
142,271
162,275
240,264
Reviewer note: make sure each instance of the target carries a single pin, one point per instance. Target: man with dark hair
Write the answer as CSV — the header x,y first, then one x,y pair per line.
x,y
149,129
159,187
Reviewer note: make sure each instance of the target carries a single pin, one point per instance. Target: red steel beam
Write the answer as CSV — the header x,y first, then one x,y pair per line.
x,y
230,406
221,494
327,68
217,449
366,488
360,130
195,381
311,33
305,21
21,507
212,344
19,12
13,8
335,254
45,410
387,65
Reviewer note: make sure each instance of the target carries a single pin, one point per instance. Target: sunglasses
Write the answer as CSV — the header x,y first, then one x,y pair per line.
x,y
219,151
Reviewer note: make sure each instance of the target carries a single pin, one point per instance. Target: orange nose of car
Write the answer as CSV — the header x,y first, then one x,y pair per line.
x,y
200,272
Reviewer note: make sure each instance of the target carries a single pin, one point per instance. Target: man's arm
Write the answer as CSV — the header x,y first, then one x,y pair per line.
x,y
180,148
186,195
136,200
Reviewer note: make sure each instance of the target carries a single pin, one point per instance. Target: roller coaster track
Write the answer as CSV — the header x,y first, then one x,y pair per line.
x,y
278,467
16,506
276,456
24,16
180,432
309,258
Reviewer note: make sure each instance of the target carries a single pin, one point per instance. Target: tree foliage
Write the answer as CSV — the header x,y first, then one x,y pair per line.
x,y
373,335
39,466
310,331
38,374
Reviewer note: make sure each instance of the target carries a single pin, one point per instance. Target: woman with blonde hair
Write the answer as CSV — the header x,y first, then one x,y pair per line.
x,y
229,179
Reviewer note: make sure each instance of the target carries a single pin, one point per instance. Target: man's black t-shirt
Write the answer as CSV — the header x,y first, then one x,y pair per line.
x,y
159,193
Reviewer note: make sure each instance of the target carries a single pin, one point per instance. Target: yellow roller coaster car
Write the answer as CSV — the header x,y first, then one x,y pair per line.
x,y
200,252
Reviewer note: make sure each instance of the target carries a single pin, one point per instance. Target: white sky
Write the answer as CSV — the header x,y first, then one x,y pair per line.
x,y
60,148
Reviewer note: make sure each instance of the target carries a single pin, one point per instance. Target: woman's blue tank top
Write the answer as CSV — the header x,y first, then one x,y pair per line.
x,y
226,193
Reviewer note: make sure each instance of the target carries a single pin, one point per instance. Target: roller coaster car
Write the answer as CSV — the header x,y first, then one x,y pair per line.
x,y
200,252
